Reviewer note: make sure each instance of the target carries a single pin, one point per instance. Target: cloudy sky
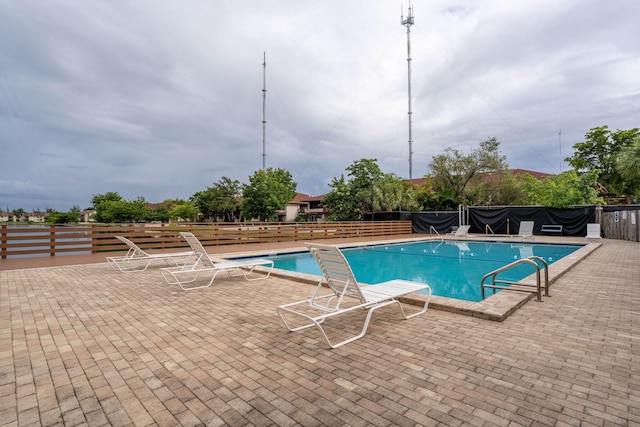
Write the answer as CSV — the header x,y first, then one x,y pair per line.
x,y
163,99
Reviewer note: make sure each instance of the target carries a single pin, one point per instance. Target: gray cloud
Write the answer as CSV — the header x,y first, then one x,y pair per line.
x,y
161,100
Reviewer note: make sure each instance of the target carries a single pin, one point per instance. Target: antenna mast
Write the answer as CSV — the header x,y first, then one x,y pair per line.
x,y
560,145
408,23
264,111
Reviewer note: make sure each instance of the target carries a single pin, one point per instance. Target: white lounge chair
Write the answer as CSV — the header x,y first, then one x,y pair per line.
x,y
188,274
463,230
593,232
346,295
526,230
137,259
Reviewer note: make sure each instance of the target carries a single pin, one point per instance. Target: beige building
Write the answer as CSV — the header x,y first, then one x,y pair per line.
x,y
306,206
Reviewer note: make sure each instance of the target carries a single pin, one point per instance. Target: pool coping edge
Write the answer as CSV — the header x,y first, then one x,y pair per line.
x,y
496,307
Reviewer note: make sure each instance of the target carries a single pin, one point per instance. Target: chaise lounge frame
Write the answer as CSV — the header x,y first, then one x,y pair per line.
x,y
188,274
346,295
462,230
136,259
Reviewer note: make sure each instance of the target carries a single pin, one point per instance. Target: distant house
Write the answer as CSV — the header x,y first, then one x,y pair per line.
x,y
26,217
41,217
36,216
88,215
304,205
315,210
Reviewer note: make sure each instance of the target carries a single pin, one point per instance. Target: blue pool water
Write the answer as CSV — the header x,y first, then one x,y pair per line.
x,y
453,269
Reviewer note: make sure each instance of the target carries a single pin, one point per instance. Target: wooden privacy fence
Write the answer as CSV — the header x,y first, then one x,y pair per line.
x,y
621,225
51,240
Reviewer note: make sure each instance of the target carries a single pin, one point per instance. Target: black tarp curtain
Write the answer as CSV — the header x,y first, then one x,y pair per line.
x,y
506,220
443,222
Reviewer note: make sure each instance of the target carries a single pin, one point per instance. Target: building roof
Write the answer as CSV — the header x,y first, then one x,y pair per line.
x,y
302,198
536,175
516,172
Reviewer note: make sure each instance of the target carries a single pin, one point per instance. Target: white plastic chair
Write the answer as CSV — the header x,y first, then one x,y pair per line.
x,y
593,232
463,230
526,230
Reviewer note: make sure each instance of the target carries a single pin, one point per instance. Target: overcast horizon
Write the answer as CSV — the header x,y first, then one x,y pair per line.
x,y
162,99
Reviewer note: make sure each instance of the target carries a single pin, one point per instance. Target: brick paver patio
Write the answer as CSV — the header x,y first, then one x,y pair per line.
x,y
86,345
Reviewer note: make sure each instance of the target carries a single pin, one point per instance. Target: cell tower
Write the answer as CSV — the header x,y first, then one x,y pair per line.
x,y
264,111
408,22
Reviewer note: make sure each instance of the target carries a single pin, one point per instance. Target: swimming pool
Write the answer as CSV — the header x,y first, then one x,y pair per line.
x,y
453,269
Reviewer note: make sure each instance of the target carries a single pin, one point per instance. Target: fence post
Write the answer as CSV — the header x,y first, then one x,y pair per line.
x,y
4,241
94,238
52,240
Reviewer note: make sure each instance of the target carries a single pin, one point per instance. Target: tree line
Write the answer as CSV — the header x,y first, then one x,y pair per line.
x,y
268,191
604,160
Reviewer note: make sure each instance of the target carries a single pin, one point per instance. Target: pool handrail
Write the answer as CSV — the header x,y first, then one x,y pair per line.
x,y
487,227
436,231
531,260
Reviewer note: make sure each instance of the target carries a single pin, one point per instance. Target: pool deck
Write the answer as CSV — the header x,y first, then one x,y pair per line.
x,y
82,344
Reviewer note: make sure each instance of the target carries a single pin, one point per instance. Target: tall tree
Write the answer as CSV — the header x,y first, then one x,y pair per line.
x,y
388,192
599,151
108,196
110,210
364,173
186,211
496,188
220,200
350,200
268,192
566,189
160,213
453,171
102,202
341,201
393,193
409,200
628,165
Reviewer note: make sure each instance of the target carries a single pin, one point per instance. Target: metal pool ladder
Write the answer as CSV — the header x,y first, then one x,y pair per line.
x,y
435,231
517,286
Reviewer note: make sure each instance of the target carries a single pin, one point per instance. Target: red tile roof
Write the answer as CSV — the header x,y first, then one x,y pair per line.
x,y
516,172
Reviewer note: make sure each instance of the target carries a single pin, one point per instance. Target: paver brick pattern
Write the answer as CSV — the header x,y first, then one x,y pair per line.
x,y
87,345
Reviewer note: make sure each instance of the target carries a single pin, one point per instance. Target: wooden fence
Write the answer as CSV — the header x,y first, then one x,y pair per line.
x,y
621,225
52,240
